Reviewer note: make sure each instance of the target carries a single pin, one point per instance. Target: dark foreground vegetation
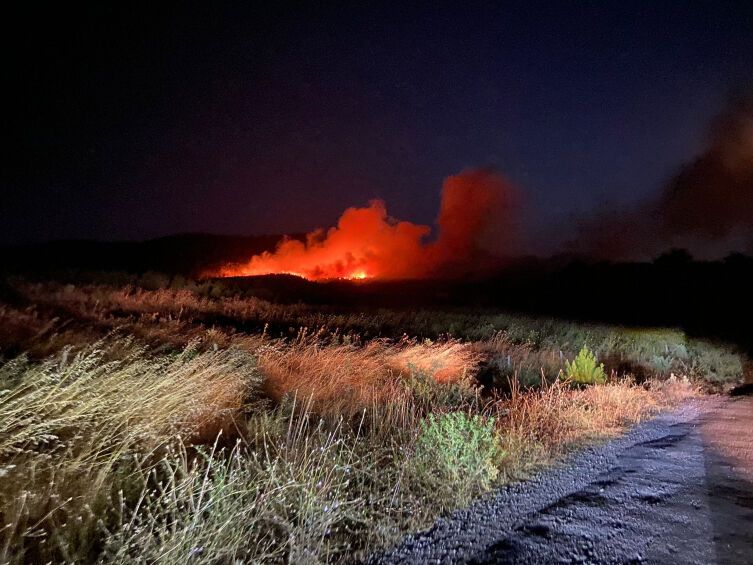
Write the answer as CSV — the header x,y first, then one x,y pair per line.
x,y
152,417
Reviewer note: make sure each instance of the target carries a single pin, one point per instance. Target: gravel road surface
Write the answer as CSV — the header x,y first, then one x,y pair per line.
x,y
677,489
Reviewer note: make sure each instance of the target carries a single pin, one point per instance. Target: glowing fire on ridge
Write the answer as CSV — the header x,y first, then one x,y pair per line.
x,y
476,219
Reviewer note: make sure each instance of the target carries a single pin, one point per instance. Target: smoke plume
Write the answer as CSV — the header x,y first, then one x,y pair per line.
x,y
475,227
707,207
712,197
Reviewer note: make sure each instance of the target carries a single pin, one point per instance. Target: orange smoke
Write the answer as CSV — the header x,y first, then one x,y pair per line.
x,y
476,222
478,218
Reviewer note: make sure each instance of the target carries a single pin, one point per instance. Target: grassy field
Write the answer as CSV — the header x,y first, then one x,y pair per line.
x,y
175,425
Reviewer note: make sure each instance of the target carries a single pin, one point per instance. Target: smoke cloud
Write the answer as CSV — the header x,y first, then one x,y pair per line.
x,y
712,197
476,226
707,207
478,217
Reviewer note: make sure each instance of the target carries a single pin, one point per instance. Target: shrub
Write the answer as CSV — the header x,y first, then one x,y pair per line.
x,y
718,366
584,369
660,364
456,456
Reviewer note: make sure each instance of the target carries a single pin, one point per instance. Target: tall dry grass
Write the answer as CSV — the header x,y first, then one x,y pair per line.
x,y
539,426
72,423
345,379
164,304
122,450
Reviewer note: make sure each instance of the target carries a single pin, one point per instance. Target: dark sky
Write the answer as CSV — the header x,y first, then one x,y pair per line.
x,y
160,118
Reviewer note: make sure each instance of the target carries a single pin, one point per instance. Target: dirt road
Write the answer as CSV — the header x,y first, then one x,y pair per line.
x,y
678,489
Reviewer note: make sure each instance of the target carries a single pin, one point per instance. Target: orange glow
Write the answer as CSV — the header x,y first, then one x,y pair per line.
x,y
476,219
365,241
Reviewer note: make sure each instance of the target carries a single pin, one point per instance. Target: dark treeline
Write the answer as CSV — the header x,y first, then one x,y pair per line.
x,y
187,255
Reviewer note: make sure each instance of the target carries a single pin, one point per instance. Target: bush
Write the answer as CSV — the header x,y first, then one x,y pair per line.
x,y
660,364
456,456
584,369
715,365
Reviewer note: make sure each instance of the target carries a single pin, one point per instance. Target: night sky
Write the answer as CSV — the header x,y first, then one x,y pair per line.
x,y
149,120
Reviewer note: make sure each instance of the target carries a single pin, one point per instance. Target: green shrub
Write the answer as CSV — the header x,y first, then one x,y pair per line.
x,y
456,456
717,365
660,364
584,369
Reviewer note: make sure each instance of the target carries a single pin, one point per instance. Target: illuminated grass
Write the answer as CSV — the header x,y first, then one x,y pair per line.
x,y
167,440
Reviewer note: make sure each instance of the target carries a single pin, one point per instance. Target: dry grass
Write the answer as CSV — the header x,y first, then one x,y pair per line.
x,y
539,426
109,450
346,379
69,424
99,300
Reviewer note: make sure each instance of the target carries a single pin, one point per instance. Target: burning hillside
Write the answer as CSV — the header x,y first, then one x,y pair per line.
x,y
476,223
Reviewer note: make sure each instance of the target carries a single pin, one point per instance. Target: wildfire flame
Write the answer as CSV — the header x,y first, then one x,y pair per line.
x,y
476,218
